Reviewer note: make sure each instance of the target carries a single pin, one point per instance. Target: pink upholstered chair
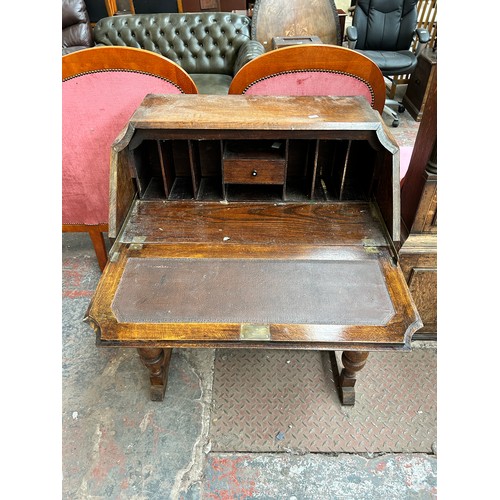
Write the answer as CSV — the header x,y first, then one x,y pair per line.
x,y
312,69
102,87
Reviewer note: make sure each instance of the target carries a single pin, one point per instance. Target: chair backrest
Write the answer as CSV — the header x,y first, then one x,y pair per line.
x,y
101,89
76,28
312,69
292,18
385,24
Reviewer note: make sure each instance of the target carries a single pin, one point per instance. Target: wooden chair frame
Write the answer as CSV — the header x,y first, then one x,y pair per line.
x,y
122,58
96,234
308,57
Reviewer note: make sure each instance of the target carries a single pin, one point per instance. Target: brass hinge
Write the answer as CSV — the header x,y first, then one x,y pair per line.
x,y
114,257
370,246
137,243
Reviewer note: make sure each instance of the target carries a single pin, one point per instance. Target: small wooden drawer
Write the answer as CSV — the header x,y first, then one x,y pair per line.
x,y
259,163
254,172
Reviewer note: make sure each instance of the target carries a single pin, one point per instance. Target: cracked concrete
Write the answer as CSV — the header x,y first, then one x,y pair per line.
x,y
201,362
321,476
122,445
116,442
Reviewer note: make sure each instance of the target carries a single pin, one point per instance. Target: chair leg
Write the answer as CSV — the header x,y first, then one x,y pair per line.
x,y
395,117
392,112
99,246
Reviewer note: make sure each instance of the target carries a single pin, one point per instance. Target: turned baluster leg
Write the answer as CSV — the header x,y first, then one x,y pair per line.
x,y
156,360
353,362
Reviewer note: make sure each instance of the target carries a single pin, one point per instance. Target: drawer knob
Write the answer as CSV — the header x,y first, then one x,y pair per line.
x,y
254,173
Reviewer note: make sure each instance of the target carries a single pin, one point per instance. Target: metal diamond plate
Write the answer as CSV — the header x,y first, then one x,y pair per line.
x,y
266,401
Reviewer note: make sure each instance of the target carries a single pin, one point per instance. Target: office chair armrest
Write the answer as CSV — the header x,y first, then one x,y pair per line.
x,y
352,36
423,37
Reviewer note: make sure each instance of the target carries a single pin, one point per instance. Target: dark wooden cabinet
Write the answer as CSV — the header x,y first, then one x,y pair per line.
x,y
418,254
418,259
419,84
254,222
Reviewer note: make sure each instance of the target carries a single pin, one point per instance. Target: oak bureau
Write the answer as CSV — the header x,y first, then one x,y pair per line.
x,y
254,222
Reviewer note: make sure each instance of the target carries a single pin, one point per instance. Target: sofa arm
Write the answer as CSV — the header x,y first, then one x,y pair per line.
x,y
248,51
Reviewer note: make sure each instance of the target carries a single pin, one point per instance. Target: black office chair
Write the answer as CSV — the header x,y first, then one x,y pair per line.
x,y
384,30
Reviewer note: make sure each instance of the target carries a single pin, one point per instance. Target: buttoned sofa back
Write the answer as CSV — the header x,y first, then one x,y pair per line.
x,y
201,43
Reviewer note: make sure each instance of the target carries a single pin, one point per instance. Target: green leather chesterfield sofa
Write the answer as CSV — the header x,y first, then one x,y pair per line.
x,y
210,46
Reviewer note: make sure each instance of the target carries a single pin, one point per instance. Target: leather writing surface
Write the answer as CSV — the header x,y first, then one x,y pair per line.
x,y
184,290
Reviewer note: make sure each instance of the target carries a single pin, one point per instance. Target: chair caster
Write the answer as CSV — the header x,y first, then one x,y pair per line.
x,y
401,109
395,122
